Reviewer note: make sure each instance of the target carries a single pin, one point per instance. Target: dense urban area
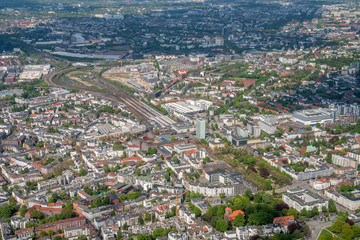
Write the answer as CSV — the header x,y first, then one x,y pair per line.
x,y
180,119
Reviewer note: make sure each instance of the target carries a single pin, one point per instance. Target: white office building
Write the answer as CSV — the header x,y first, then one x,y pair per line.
x,y
200,128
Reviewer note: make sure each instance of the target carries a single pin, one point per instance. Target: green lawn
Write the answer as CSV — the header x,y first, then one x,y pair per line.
x,y
325,233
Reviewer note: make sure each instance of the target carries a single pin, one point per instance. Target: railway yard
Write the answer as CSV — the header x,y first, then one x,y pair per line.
x,y
90,80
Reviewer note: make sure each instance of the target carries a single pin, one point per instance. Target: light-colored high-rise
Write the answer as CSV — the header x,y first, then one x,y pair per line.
x,y
200,128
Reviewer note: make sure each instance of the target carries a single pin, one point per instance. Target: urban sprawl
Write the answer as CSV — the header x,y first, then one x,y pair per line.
x,y
180,120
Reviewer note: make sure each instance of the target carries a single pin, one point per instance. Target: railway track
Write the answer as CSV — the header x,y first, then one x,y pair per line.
x,y
115,93
118,94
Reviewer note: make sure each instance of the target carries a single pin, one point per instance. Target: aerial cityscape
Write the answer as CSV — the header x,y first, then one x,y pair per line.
x,y
180,119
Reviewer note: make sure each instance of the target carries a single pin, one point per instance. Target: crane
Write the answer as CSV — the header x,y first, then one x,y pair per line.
x,y
177,209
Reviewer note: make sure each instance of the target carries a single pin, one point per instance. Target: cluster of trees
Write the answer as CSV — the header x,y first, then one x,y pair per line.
x,y
310,214
8,210
194,174
113,169
215,217
300,167
168,174
51,129
195,210
345,228
198,84
191,195
262,177
259,209
40,144
206,159
158,87
101,201
107,109
347,189
71,124
118,146
171,214
19,108
181,85
62,195
131,195
175,159
83,172
31,185
337,62
30,91
151,151
157,233
99,189
315,210
356,129
54,197
48,161
158,107
67,212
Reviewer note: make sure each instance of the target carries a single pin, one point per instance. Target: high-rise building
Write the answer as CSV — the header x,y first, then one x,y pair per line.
x,y
200,128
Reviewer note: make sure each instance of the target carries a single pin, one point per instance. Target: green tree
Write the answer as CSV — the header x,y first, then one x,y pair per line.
x,y
54,197
304,212
239,220
292,212
36,214
42,234
167,177
220,211
326,237
347,233
82,237
23,210
248,194
206,159
63,195
332,206
315,211
141,237
83,172
140,221
119,235
337,226
356,230
152,151
240,203
260,218
197,212
222,225
308,128
159,232
323,209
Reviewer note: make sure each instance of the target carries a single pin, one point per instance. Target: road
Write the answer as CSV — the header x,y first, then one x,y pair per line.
x,y
317,226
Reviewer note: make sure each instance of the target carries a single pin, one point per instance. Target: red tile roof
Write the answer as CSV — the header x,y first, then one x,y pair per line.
x,y
284,221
